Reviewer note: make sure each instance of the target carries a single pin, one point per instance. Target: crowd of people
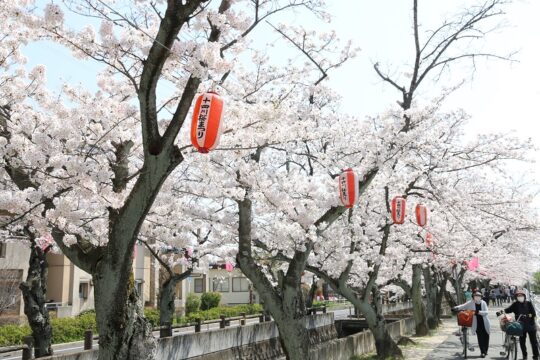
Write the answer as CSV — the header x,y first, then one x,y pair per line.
x,y
521,307
496,296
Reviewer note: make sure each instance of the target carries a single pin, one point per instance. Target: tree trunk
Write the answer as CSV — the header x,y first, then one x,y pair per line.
x,y
294,338
34,291
431,297
440,294
385,345
419,310
124,333
285,301
166,301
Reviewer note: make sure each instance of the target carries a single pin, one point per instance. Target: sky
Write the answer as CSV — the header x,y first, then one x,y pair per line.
x,y
500,96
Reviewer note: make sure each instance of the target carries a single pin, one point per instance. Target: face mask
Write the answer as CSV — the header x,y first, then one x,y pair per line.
x,y
520,298
477,299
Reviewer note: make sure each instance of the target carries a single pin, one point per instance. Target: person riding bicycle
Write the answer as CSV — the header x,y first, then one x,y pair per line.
x,y
524,310
480,325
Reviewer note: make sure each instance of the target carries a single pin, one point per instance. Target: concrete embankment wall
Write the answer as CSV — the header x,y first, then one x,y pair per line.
x,y
261,341
360,343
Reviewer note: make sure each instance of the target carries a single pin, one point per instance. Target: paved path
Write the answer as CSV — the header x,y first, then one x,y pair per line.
x,y
446,345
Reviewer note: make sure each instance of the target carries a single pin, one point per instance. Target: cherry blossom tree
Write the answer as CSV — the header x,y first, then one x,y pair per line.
x,y
102,167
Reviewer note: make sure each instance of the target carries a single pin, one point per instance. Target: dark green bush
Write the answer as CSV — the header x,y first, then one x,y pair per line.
x,y
228,311
210,300
13,334
193,303
72,329
152,315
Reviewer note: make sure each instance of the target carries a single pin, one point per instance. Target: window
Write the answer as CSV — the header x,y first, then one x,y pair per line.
x,y
83,290
139,287
220,284
3,250
199,285
240,284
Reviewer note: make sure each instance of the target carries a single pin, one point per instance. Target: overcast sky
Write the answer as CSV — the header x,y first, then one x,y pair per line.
x,y
500,96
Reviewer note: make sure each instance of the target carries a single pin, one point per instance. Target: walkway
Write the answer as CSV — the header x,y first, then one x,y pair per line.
x,y
444,344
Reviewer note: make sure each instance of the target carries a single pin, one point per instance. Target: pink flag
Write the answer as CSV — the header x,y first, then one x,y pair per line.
x,y
474,263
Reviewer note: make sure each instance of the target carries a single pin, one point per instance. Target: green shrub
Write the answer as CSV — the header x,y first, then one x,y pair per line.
x,y
210,300
13,334
86,312
64,330
72,329
152,315
193,303
227,311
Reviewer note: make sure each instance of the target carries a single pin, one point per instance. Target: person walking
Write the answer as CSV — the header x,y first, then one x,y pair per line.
x,y
468,294
524,312
480,325
485,293
498,296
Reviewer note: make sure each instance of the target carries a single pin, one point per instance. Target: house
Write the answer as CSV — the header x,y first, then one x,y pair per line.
x,y
70,290
13,269
233,286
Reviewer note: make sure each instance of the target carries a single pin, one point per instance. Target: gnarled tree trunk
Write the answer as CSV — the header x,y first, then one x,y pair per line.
x,y
385,345
431,297
419,310
34,292
167,294
440,294
124,333
284,302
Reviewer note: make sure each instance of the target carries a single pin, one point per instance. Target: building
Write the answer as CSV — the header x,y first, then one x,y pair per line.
x,y
233,286
13,269
70,290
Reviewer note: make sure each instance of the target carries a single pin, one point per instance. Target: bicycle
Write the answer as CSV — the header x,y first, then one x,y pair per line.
x,y
464,329
510,340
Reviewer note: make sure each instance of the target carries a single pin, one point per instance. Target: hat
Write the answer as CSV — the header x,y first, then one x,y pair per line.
x,y
477,293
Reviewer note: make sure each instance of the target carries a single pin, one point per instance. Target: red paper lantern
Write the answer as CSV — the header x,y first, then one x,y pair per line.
x,y
348,188
421,215
206,123
398,210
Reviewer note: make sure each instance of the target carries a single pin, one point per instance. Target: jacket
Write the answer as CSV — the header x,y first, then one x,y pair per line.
x,y
527,312
484,312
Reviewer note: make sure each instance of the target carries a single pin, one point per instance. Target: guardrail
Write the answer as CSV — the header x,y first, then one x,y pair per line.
x,y
166,330
27,348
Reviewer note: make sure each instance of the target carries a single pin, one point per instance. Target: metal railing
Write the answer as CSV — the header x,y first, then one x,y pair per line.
x,y
164,330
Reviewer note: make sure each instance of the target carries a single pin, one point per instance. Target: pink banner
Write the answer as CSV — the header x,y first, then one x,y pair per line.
x,y
474,263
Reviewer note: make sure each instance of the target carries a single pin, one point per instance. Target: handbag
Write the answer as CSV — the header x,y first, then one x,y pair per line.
x,y
465,318
514,328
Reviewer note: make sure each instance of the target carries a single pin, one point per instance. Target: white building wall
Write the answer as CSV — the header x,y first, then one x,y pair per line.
x,y
16,258
228,297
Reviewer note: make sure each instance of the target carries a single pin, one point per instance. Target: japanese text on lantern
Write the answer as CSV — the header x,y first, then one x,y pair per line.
x,y
203,116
